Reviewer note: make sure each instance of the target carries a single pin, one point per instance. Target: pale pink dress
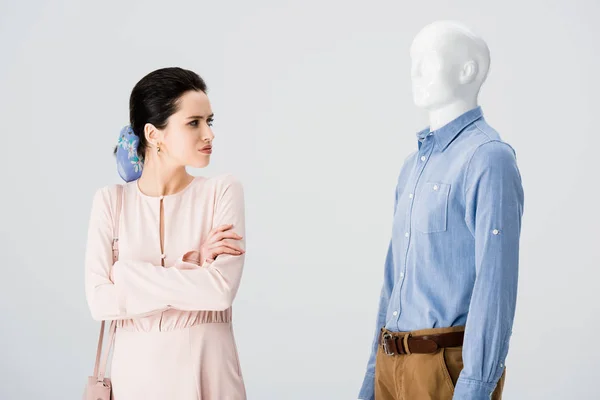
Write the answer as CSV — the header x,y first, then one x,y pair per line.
x,y
174,335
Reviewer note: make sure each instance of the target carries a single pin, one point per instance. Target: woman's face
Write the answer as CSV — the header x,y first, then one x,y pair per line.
x,y
187,138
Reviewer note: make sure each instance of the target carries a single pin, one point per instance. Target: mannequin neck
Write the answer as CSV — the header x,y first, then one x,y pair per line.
x,y
442,115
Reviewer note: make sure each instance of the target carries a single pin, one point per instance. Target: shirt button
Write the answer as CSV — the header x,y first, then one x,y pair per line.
x,y
401,274
495,231
161,197
435,187
163,256
410,195
395,313
501,365
406,234
423,158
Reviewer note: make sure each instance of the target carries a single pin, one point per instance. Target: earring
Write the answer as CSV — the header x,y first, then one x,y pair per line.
x,y
158,147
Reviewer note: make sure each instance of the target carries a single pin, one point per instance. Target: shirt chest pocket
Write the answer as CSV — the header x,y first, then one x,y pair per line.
x,y
431,208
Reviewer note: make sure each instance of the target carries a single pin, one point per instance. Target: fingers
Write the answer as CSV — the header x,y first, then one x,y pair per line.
x,y
225,250
226,235
218,236
225,244
220,229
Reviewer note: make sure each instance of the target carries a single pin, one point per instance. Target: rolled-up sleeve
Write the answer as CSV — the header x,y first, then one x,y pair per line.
x,y
494,207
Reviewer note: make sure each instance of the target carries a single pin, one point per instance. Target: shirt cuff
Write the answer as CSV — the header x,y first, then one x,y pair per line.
x,y
367,391
468,389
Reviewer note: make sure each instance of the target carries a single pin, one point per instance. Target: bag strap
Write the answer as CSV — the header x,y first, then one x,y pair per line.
x,y
103,364
102,360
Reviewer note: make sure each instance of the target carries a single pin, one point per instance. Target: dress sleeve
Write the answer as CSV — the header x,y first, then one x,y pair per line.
x,y
101,292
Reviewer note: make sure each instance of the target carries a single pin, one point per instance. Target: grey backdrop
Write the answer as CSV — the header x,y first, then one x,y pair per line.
x,y
314,113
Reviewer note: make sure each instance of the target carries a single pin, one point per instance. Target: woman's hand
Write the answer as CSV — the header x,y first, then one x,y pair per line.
x,y
215,245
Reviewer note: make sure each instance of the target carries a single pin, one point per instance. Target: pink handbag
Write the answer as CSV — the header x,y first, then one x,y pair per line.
x,y
98,387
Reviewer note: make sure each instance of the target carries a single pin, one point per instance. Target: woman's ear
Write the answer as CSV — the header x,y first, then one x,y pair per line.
x,y
153,136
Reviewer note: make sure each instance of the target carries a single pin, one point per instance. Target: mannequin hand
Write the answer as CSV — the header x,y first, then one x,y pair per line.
x,y
215,245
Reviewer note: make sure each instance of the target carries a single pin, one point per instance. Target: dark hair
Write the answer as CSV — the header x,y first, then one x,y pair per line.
x,y
155,98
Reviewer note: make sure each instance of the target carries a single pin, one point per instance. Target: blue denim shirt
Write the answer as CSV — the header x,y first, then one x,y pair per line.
x,y
453,256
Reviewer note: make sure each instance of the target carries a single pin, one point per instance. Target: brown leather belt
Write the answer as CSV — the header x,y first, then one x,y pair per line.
x,y
394,344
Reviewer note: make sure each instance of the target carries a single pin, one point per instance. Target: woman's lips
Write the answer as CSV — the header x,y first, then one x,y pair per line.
x,y
208,150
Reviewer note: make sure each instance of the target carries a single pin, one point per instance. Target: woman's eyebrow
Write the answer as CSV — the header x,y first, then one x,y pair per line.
x,y
200,116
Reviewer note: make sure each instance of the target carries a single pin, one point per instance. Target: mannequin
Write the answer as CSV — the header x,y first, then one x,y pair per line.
x,y
449,65
448,299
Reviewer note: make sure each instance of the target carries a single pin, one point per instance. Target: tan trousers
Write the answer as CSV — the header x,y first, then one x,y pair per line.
x,y
422,376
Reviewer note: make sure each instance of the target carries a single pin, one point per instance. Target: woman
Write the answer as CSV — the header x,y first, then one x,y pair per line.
x,y
181,251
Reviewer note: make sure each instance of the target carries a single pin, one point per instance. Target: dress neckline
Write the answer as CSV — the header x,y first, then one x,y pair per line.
x,y
166,196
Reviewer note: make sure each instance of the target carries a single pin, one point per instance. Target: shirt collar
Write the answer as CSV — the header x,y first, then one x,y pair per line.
x,y
444,135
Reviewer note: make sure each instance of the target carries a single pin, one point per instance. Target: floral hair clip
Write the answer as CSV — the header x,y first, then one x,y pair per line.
x,y
129,163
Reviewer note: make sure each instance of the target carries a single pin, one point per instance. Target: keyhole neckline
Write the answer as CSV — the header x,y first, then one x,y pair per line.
x,y
166,196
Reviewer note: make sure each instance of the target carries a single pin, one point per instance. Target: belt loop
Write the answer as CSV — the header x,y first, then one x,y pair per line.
x,y
405,340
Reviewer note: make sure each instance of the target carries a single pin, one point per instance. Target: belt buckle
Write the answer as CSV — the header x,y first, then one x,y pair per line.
x,y
386,349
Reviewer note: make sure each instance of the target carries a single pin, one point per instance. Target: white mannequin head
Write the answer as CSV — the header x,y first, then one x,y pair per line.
x,y
449,65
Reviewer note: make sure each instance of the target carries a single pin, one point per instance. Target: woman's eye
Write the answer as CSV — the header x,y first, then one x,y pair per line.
x,y
194,123
210,122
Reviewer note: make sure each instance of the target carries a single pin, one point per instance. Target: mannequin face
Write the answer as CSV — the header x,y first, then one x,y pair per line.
x,y
434,74
449,65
